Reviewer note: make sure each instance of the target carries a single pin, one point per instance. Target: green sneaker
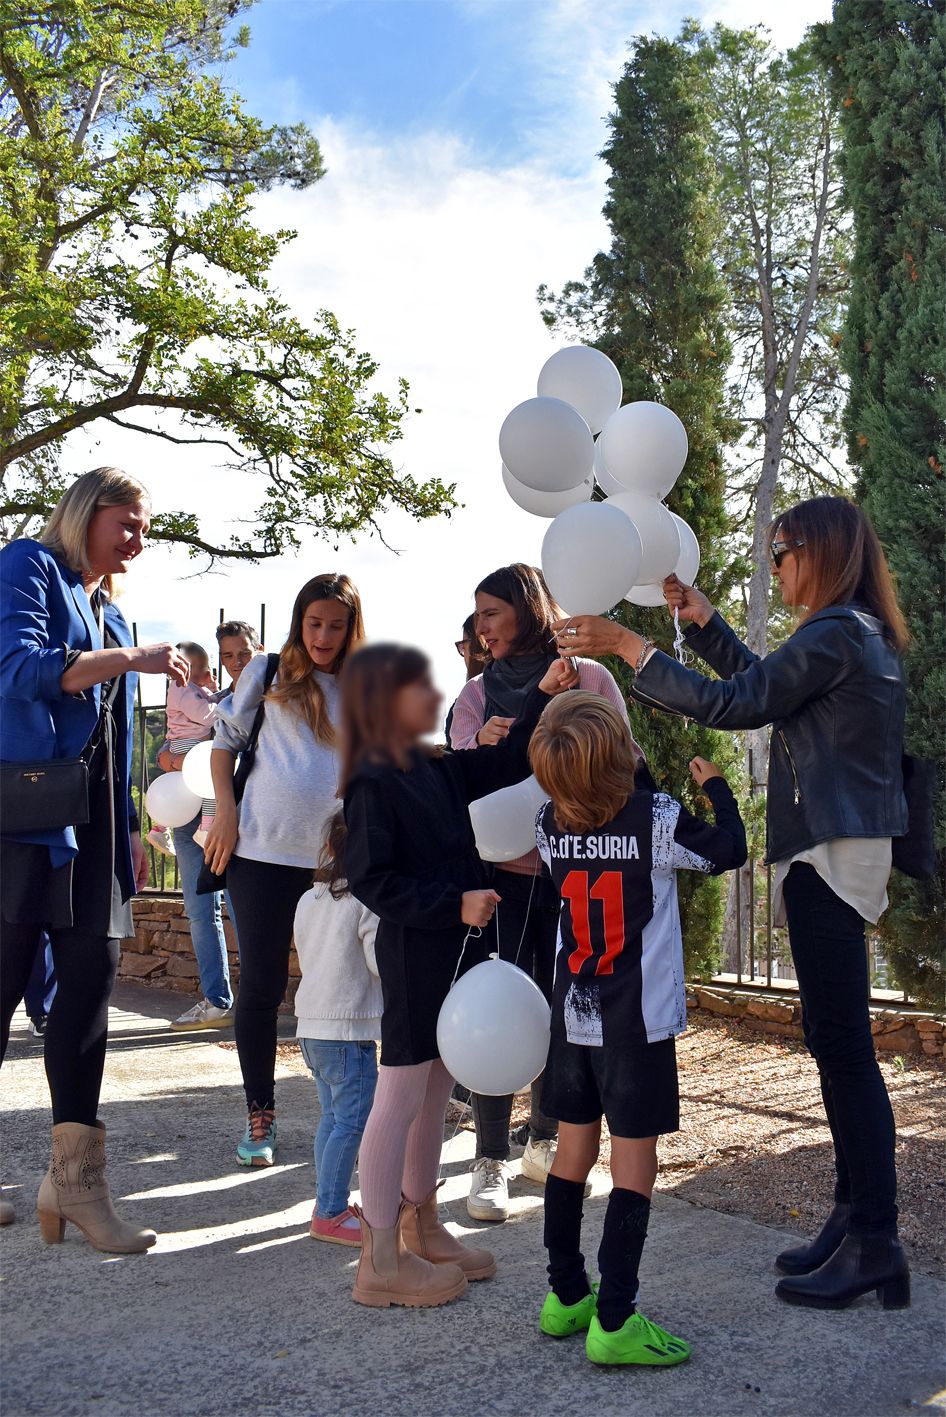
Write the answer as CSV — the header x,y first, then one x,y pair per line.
x,y
636,1341
258,1144
559,1320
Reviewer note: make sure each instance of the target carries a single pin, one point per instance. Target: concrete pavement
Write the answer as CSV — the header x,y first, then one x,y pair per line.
x,y
236,1309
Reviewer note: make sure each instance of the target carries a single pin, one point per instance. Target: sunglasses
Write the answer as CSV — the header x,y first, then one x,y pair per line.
x,y
778,550
476,650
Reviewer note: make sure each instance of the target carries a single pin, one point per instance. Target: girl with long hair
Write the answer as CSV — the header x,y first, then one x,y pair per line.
x,y
271,846
411,858
834,695
513,620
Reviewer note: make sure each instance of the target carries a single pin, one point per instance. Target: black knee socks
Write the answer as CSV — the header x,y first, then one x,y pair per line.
x,y
563,1204
622,1243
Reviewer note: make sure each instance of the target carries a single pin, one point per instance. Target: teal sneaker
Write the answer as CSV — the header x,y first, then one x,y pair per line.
x,y
258,1146
636,1341
559,1320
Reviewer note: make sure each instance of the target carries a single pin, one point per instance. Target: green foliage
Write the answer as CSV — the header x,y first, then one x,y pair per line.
x,y
887,59
656,304
134,281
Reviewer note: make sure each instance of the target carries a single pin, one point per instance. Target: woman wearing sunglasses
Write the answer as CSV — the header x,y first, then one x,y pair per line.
x,y
834,695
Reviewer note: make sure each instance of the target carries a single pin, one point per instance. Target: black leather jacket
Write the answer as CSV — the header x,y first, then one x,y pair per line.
x,y
834,696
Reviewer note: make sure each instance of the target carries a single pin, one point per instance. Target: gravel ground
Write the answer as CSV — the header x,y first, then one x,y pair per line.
x,y
753,1140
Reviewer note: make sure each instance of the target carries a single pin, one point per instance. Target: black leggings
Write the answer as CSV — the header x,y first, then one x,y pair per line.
x,y
264,900
828,948
77,1030
528,912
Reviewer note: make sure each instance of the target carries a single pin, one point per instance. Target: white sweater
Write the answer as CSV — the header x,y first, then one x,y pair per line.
x,y
339,995
290,793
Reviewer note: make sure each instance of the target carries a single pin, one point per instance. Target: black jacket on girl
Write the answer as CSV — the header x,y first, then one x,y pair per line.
x,y
410,856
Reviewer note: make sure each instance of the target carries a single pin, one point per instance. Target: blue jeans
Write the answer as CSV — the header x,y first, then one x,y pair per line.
x,y
206,921
345,1075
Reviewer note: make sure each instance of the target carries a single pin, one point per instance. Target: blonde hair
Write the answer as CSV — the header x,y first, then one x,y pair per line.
x,y
297,686
66,534
583,755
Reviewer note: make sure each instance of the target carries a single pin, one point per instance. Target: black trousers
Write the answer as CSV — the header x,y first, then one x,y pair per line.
x,y
524,932
264,898
830,955
77,1029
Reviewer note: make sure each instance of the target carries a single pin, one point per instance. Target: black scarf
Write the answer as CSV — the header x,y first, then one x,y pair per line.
x,y
508,682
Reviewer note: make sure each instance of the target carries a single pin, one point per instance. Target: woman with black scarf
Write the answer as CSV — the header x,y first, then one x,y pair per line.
x,y
514,616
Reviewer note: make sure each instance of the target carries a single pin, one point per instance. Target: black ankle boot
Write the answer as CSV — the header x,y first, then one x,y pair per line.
x,y
802,1259
859,1264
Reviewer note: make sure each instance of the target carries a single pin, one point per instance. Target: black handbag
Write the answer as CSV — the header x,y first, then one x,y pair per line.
x,y
36,797
914,853
210,881
39,797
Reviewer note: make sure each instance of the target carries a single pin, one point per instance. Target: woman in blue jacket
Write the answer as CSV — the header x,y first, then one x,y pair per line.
x,y
68,672
834,695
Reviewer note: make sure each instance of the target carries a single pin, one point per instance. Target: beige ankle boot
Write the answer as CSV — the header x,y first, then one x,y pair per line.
x,y
424,1235
389,1274
74,1188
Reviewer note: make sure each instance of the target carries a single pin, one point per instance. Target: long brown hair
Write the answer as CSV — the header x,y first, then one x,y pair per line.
x,y
370,683
523,587
583,755
844,562
297,686
331,868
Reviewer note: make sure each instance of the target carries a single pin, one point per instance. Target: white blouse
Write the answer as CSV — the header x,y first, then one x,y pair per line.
x,y
856,868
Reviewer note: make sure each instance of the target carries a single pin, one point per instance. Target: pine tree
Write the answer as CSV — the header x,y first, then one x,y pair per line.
x,y
655,303
887,59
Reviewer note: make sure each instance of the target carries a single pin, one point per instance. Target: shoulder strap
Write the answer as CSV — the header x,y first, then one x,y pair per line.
x,y
249,752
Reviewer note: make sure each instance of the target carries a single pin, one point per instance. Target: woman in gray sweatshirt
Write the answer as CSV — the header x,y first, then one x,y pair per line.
x,y
270,845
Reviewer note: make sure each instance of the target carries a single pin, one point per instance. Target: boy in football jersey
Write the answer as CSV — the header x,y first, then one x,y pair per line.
x,y
618,1003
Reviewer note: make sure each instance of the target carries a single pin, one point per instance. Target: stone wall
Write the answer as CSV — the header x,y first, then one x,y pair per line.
x,y
161,952
909,1032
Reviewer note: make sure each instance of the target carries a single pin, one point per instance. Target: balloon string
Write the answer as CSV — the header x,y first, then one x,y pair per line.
x,y
476,932
684,656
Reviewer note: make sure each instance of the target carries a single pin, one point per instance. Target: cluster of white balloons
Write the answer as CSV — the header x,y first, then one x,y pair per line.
x,y
175,798
597,553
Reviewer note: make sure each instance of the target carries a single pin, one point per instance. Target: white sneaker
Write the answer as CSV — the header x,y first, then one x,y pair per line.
x,y
160,839
489,1193
537,1162
204,1015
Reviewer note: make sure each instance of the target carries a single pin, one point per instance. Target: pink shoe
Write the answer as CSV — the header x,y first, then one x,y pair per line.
x,y
341,1229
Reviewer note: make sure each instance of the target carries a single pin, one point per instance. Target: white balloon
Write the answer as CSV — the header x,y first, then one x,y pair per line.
x,y
546,445
658,532
585,378
493,1029
504,822
646,595
170,801
196,770
546,504
688,563
588,555
644,446
609,485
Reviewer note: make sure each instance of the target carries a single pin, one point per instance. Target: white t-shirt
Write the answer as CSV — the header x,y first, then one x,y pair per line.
x,y
856,868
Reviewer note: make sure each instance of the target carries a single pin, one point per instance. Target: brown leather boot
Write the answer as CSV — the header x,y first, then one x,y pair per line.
x,y
389,1274
74,1188
425,1236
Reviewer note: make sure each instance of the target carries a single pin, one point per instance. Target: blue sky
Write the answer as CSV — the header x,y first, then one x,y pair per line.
x,y
461,138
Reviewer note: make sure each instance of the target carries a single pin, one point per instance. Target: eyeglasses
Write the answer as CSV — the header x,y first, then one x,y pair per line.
x,y
461,647
779,549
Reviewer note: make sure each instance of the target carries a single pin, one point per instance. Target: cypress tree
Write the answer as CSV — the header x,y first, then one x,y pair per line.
x,y
887,59
655,303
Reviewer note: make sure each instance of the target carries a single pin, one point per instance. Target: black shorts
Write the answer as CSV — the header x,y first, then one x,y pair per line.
x,y
633,1085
